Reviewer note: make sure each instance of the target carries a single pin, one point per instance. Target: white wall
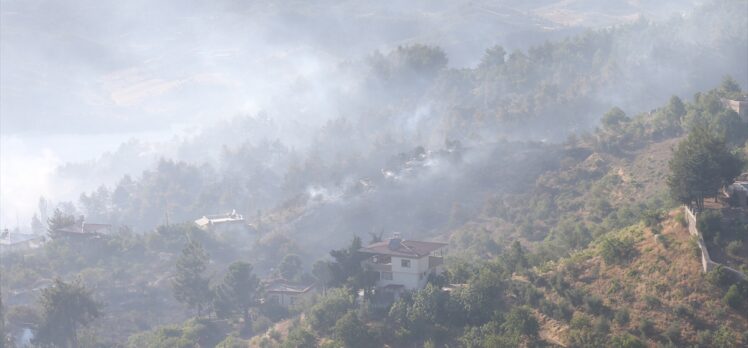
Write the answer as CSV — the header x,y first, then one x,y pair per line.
x,y
412,277
284,299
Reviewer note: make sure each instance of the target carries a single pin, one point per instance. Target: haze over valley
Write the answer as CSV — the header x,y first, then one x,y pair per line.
x,y
374,174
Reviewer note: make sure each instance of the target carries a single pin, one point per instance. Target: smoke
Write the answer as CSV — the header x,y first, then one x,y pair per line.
x,y
90,75
24,173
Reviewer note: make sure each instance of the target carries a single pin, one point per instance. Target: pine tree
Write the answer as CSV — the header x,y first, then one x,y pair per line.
x,y
700,166
237,293
43,209
58,221
290,268
65,307
36,225
190,284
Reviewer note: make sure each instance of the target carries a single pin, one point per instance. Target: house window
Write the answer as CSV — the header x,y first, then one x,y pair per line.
x,y
405,263
274,299
292,300
386,275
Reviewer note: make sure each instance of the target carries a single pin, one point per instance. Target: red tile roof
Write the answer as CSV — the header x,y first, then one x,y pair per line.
x,y
405,248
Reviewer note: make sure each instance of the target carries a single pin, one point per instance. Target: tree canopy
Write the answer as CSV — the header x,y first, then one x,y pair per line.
x,y
238,292
190,285
65,307
57,221
701,164
290,268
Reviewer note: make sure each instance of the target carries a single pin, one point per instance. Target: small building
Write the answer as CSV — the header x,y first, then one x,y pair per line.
x,y
286,293
737,194
84,229
739,106
221,222
11,241
404,264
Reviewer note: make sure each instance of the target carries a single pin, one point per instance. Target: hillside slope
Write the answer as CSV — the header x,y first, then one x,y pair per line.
x,y
661,288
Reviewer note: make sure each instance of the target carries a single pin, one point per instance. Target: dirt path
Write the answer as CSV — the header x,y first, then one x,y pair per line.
x,y
551,330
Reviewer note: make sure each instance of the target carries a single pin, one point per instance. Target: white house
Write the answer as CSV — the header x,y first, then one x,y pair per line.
x,y
286,293
221,222
404,264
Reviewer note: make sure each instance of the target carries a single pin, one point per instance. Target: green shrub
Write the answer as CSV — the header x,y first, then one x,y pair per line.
x,y
333,305
682,310
193,333
602,326
626,341
232,342
652,218
733,298
615,286
646,327
298,337
724,338
353,333
719,277
693,245
622,316
651,301
709,224
734,247
274,335
520,320
260,324
681,218
617,250
704,338
580,321
593,304
673,332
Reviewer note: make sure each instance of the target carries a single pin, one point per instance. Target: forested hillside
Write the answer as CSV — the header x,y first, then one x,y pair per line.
x,y
552,173
393,102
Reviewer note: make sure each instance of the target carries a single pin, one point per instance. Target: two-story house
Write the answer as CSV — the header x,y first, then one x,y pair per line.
x,y
404,264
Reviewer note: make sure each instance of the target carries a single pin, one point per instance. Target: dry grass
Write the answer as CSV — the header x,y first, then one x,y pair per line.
x,y
664,276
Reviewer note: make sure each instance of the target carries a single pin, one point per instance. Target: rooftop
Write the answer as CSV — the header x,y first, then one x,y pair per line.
x,y
85,228
219,218
404,248
16,238
741,185
281,285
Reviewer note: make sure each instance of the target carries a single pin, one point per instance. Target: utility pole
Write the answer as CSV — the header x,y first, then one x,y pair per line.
x,y
166,209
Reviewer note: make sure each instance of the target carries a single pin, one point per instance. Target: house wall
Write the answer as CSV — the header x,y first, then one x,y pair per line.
x,y
288,299
739,106
411,278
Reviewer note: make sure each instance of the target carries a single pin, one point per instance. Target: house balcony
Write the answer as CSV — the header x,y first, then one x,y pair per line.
x,y
435,261
379,267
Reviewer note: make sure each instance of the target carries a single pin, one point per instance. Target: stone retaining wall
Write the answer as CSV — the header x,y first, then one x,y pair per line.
x,y
706,262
